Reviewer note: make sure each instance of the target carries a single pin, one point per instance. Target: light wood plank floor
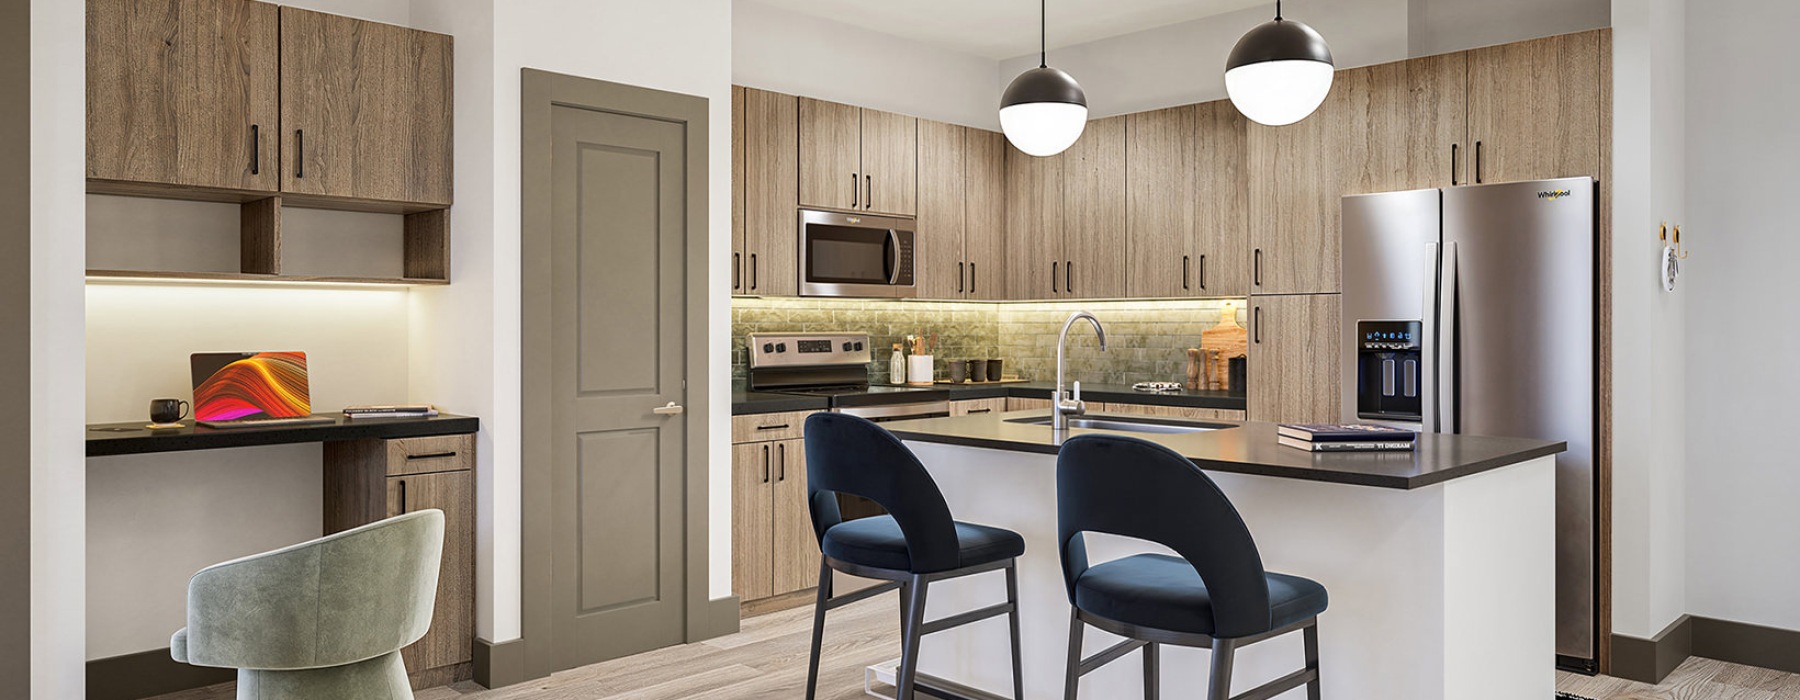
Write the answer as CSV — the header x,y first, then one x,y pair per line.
x,y
767,659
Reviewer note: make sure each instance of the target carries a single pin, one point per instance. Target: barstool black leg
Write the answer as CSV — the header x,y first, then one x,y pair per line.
x,y
1012,597
1220,686
818,639
1072,677
1311,635
909,652
1152,672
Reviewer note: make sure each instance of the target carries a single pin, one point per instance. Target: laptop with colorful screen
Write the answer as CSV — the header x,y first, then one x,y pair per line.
x,y
251,389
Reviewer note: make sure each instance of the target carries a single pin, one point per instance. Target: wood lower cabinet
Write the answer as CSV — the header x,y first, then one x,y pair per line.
x,y
1294,365
1535,108
1014,403
1094,212
369,480
1188,412
764,255
976,407
365,110
184,93
773,549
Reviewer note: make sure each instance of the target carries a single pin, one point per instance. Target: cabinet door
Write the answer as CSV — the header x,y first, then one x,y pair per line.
x,y
1535,109
830,155
1221,254
1159,202
1383,128
1034,225
451,638
365,109
1019,404
890,163
1294,358
752,522
740,282
984,224
796,564
771,193
943,270
184,92
1094,211
976,407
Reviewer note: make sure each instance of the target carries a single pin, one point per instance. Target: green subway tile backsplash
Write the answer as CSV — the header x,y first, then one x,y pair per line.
x,y
1147,340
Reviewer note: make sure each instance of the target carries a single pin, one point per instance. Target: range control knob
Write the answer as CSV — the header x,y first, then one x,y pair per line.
x,y
848,346
859,346
781,347
768,347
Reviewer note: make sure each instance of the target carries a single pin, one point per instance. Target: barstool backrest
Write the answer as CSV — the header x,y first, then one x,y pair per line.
x,y
1135,488
847,454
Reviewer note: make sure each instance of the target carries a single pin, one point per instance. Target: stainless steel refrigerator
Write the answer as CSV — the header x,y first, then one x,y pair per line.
x,y
1473,310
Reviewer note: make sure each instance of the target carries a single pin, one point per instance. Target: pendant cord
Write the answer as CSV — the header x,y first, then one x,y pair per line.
x,y
1278,10
1044,32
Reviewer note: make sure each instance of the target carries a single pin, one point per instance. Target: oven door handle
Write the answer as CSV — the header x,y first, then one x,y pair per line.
x,y
893,256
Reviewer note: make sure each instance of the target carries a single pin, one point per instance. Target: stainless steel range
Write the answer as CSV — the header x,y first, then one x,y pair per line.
x,y
835,366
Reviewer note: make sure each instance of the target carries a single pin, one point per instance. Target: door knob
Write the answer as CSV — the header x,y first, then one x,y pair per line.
x,y
673,409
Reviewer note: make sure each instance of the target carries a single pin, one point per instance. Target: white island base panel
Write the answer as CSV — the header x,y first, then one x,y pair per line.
x,y
1443,592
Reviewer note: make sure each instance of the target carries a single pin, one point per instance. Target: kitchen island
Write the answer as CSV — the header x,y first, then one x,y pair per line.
x,y
1440,562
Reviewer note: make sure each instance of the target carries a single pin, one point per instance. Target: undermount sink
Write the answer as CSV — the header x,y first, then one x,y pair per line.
x,y
1127,425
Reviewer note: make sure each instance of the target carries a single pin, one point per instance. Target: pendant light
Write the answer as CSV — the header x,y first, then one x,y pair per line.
x,y
1279,72
1043,111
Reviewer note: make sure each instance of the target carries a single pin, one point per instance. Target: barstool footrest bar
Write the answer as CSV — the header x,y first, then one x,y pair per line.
x,y
1279,685
965,618
1090,664
836,602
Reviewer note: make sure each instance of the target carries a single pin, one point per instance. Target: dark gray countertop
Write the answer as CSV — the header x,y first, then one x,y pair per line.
x,y
105,439
1251,448
745,403
753,402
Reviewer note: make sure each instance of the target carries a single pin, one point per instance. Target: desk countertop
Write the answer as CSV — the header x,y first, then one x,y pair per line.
x,y
105,439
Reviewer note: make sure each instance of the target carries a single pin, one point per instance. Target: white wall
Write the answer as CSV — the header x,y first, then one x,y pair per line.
x,y
775,49
1649,326
1185,63
1442,26
58,139
1744,158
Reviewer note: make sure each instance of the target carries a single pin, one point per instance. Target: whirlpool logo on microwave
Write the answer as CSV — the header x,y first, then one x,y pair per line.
x,y
1553,195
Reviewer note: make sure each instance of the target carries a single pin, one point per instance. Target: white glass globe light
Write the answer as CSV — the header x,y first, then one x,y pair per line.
x,y
1043,128
1277,93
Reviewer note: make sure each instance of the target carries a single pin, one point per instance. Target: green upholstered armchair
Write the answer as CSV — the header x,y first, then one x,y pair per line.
x,y
320,619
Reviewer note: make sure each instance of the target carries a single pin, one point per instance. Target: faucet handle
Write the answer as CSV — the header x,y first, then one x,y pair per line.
x,y
1077,391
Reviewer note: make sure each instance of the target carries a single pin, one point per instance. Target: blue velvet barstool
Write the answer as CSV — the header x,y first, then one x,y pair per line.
x,y
1214,595
914,545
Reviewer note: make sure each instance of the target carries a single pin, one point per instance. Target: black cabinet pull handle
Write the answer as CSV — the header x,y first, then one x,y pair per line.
x,y
1052,276
1184,272
1203,271
869,198
973,411
255,149
1477,162
1453,149
752,271
959,277
765,464
971,278
299,153
1068,276
1258,267
855,192
737,269
402,484
1257,324
430,455
783,426
783,448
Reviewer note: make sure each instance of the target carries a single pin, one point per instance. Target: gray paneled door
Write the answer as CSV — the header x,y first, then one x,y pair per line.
x,y
618,336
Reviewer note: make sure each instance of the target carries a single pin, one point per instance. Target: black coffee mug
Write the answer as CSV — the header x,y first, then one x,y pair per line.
x,y
167,410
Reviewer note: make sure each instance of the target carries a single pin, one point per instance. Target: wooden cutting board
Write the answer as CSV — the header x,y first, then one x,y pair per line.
x,y
1227,337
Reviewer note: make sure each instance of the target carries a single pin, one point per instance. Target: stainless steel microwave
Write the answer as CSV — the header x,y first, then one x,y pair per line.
x,y
857,255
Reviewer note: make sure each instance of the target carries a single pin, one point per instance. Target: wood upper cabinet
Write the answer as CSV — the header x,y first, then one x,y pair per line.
x,y
1293,372
1034,225
890,162
858,159
1094,212
740,282
752,520
830,155
766,260
1220,265
984,221
1389,127
1535,108
184,92
943,267
365,110
1159,202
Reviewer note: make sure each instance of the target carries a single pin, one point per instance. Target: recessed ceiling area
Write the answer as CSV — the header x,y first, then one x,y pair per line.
x,y
1000,29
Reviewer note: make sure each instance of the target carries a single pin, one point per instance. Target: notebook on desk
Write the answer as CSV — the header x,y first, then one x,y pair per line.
x,y
252,390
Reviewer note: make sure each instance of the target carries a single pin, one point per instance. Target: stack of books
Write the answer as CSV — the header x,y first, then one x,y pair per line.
x,y
1348,437
409,410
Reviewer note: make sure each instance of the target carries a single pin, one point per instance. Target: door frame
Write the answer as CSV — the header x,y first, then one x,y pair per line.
x,y
541,92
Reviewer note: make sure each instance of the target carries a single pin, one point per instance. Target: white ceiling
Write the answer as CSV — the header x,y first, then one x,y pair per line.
x,y
1000,29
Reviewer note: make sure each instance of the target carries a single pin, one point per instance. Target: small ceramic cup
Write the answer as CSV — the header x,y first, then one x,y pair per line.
x,y
978,370
993,370
959,370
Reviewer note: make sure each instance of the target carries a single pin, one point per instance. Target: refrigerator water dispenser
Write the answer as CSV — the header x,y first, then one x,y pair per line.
x,y
1387,370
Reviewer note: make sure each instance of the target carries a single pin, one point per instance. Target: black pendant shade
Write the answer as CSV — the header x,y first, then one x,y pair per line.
x,y
1279,40
1043,84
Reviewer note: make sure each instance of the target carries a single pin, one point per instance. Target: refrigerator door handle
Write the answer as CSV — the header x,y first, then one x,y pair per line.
x,y
1448,373
1428,342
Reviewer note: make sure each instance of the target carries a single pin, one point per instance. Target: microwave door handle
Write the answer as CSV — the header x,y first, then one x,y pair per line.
x,y
893,256
1428,341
